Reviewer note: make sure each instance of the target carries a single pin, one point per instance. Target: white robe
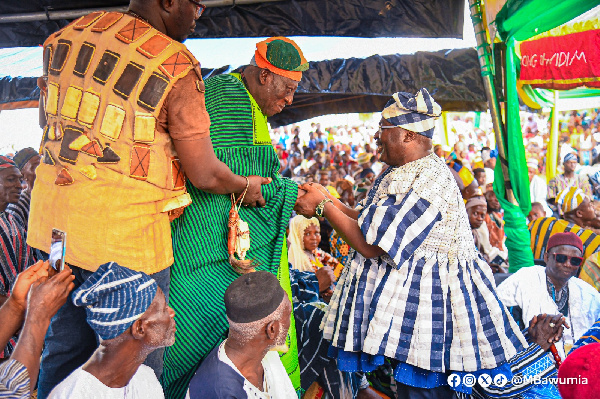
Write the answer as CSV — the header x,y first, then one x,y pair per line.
x,y
538,190
527,289
81,384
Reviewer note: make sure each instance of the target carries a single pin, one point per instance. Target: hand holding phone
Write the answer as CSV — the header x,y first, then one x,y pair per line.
x,y
58,248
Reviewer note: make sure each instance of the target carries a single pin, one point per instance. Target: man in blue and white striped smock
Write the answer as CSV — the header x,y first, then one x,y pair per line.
x,y
415,289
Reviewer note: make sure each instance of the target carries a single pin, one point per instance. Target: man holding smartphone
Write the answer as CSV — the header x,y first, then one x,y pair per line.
x,y
123,115
15,255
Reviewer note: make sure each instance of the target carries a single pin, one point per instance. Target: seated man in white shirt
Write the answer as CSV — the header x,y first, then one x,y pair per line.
x,y
129,313
246,364
555,289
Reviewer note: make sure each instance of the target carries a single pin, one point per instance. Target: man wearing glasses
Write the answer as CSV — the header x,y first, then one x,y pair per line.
x,y
238,105
555,289
124,116
414,290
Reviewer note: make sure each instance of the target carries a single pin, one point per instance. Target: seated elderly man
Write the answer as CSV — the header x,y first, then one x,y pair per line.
x,y
537,211
494,220
553,289
576,207
578,214
578,210
129,312
477,211
246,364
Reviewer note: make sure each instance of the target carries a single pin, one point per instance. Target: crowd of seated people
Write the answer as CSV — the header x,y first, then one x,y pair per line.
x,y
557,299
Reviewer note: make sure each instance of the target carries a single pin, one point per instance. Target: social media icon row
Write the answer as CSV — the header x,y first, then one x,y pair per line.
x,y
484,380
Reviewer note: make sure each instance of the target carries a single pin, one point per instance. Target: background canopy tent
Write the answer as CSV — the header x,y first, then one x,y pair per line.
x,y
565,57
28,22
346,85
516,21
335,86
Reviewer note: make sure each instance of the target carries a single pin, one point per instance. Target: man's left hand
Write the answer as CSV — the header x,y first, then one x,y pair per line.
x,y
307,204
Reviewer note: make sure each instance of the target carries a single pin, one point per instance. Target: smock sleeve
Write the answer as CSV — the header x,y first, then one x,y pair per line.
x,y
398,224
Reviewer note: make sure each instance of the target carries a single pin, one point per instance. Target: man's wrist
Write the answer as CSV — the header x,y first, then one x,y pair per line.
x,y
320,209
328,204
38,319
17,308
242,183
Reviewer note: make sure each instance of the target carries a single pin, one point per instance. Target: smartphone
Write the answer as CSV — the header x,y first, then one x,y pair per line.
x,y
58,249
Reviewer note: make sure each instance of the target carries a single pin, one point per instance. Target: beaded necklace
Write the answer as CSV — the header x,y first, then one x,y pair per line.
x,y
562,303
561,298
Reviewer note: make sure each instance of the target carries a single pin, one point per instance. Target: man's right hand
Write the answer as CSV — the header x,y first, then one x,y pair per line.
x,y
46,297
325,277
254,195
545,329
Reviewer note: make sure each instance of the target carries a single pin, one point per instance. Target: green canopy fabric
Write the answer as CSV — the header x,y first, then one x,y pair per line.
x,y
521,20
515,220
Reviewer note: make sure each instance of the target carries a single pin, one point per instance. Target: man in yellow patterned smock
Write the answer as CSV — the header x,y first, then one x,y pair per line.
x,y
123,116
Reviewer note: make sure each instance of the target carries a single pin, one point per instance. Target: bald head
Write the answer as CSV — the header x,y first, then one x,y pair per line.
x,y
175,18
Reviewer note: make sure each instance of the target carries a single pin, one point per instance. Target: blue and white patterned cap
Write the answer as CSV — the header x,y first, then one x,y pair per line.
x,y
416,113
114,298
571,157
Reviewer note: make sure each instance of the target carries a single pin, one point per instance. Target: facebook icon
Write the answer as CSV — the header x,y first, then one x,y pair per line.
x,y
454,380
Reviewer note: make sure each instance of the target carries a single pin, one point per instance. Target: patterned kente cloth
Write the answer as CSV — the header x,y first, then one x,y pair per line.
x,y
201,271
429,301
542,229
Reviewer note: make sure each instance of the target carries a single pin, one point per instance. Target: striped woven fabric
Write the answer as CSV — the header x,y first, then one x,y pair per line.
x,y
315,364
14,380
430,300
532,363
201,272
541,229
590,271
591,336
15,254
570,198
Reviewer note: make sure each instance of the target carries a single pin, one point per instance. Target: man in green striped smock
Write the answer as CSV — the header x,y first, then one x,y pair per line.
x,y
238,105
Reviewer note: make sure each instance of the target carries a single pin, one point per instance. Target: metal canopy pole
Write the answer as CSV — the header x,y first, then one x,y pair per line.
x,y
72,14
484,55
